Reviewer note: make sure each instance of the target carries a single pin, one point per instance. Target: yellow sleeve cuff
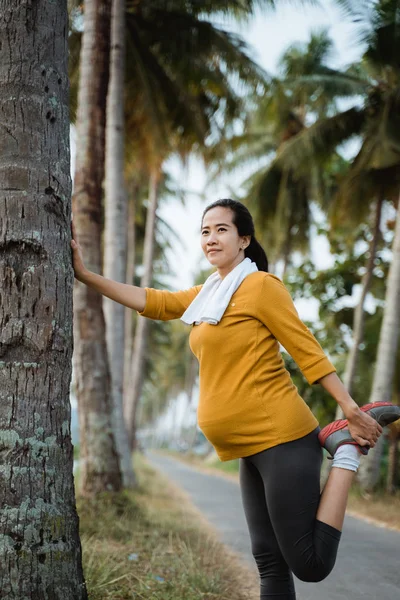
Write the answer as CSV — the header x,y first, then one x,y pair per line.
x,y
318,369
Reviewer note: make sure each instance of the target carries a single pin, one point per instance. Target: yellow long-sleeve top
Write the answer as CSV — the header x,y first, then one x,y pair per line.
x,y
248,401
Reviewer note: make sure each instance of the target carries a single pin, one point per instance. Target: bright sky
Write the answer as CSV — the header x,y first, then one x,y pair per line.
x,y
270,34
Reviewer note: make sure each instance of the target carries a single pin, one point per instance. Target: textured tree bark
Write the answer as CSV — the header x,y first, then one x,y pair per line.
x,y
359,312
115,235
382,388
99,458
135,387
40,552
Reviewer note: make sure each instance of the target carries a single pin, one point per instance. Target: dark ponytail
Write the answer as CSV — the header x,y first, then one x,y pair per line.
x,y
256,253
243,221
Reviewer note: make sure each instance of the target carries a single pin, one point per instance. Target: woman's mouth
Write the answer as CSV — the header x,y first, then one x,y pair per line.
x,y
212,251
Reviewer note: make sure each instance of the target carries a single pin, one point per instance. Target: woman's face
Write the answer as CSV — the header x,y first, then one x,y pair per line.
x,y
220,241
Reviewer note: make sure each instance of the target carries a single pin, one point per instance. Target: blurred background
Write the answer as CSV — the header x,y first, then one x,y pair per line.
x,y
293,109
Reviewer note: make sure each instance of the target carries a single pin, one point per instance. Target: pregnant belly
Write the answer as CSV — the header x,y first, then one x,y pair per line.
x,y
220,433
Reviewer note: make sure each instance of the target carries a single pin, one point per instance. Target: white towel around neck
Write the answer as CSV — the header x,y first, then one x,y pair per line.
x,y
214,297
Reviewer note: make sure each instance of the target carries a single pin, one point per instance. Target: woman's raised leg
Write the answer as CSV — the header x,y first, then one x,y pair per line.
x,y
291,477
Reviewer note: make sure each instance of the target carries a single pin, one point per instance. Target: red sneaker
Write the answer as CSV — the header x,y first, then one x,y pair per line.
x,y
337,433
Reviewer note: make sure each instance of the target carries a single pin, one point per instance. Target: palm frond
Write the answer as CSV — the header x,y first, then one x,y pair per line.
x,y
317,142
379,29
358,10
353,200
238,152
334,83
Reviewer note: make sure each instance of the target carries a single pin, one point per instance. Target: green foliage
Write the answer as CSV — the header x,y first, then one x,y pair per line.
x,y
229,466
320,402
333,288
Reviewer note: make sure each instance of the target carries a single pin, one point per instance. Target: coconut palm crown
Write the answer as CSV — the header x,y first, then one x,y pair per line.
x,y
374,118
186,77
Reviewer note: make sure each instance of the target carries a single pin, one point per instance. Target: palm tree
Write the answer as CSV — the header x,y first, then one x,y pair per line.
x,y
136,382
174,88
280,197
129,278
115,234
100,465
38,519
181,81
374,174
179,114
382,388
359,312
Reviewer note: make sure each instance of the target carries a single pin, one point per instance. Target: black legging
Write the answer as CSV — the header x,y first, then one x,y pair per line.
x,y
280,491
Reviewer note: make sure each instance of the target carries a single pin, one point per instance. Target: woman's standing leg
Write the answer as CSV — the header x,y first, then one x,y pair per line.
x,y
276,580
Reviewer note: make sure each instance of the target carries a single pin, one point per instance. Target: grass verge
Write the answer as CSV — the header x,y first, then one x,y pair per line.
x,y
151,543
379,508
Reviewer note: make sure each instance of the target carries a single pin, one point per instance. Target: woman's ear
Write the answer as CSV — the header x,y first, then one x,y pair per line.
x,y
246,241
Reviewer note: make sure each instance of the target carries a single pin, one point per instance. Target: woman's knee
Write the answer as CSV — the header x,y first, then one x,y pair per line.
x,y
312,572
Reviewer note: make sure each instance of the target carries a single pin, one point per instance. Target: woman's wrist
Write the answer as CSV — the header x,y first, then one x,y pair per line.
x,y
350,408
83,276
337,390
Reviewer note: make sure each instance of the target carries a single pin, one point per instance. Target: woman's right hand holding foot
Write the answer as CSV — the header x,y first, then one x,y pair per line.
x,y
363,428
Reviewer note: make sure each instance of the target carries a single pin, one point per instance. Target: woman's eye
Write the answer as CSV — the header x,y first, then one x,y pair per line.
x,y
222,229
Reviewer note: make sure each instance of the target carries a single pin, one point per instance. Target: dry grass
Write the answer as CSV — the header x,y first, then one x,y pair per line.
x,y
379,508
151,543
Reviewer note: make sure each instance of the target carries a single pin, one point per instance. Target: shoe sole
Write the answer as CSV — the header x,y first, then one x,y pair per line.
x,y
342,423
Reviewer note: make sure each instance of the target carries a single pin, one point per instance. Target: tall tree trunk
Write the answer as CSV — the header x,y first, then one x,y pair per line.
x,y
382,389
99,459
359,312
392,479
190,382
191,377
40,549
130,274
115,237
286,249
393,459
136,383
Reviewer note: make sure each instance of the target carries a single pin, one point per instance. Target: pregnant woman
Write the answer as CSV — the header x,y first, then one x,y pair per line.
x,y
250,409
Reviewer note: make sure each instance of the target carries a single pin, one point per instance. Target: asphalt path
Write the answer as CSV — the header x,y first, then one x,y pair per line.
x,y
368,563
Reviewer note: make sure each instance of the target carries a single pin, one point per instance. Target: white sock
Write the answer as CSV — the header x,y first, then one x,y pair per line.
x,y
347,457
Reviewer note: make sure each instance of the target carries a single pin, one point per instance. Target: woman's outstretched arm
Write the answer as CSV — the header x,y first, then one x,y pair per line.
x,y
129,295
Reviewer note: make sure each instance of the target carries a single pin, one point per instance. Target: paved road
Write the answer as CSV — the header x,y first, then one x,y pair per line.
x,y
368,565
